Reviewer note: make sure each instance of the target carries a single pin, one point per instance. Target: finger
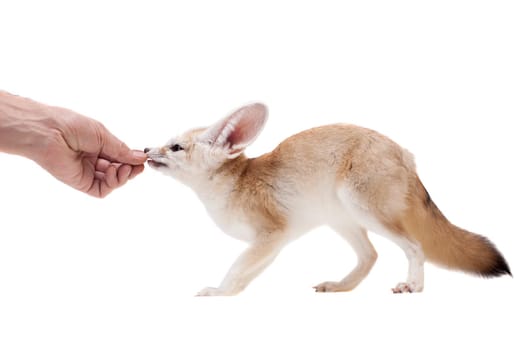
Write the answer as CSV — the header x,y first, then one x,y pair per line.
x,y
110,176
84,134
99,175
117,151
102,165
99,188
138,157
104,189
137,169
123,174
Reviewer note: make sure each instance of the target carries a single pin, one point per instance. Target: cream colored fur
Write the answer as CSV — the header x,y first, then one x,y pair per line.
x,y
344,176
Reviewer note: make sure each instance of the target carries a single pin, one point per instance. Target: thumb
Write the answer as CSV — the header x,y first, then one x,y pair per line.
x,y
115,150
83,134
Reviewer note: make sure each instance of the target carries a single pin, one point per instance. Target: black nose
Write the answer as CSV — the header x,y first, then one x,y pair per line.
x,y
146,150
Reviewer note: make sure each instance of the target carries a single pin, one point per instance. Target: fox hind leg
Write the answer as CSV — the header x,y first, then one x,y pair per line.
x,y
366,255
416,261
360,210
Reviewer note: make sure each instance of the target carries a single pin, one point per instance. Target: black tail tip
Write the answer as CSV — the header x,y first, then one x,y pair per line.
x,y
499,268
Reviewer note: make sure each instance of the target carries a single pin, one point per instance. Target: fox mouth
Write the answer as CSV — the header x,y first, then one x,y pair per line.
x,y
154,164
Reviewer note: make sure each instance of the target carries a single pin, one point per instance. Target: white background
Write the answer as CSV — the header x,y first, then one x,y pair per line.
x,y
444,79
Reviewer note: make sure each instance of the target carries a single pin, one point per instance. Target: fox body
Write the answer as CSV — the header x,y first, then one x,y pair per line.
x,y
347,177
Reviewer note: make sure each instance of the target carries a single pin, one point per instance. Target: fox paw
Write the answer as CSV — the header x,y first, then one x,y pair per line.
x,y
404,287
328,287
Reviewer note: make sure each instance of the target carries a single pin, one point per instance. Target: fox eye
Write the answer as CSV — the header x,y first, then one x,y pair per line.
x,y
176,147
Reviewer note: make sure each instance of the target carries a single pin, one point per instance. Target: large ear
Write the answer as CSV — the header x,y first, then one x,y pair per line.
x,y
240,129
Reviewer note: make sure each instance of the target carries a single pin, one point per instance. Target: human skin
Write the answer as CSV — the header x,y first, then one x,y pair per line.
x,y
77,150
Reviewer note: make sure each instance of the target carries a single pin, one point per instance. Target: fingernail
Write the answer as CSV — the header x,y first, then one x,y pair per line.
x,y
139,154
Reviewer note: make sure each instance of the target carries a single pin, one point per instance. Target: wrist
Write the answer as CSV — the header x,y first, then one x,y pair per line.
x,y
25,126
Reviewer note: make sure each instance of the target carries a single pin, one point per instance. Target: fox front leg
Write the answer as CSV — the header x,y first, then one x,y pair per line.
x,y
259,255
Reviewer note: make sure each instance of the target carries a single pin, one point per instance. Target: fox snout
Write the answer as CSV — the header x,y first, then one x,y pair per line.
x,y
154,157
153,151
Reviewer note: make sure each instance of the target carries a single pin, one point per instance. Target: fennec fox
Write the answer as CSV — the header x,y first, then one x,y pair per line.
x,y
347,177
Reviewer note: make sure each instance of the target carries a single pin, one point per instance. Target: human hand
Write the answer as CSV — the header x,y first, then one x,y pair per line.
x,y
75,149
83,154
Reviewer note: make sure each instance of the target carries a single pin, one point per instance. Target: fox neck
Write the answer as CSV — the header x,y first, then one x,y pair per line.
x,y
220,182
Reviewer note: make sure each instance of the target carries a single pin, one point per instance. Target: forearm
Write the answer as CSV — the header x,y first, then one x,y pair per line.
x,y
24,125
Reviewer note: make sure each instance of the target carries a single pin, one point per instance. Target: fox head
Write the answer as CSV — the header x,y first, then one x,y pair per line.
x,y
197,153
